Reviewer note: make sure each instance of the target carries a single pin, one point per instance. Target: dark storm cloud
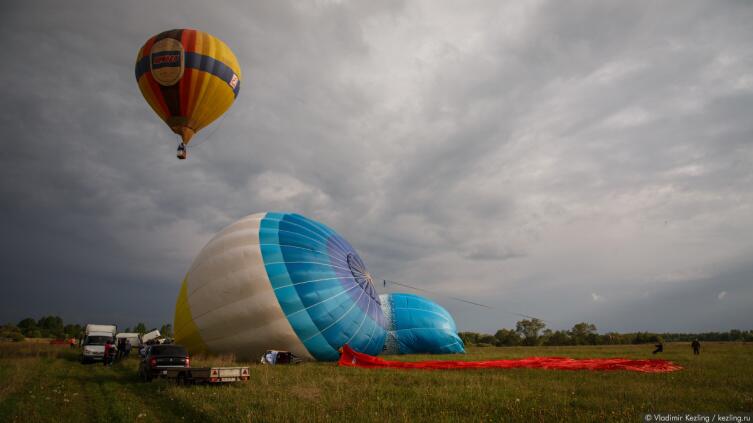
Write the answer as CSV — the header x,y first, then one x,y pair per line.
x,y
576,160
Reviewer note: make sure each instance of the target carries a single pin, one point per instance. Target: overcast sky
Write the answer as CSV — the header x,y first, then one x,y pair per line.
x,y
576,161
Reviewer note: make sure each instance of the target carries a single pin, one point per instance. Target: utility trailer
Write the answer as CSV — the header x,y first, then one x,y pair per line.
x,y
191,375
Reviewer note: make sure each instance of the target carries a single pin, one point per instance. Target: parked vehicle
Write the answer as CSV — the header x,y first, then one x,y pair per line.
x,y
171,361
162,357
95,337
274,357
133,338
207,374
153,335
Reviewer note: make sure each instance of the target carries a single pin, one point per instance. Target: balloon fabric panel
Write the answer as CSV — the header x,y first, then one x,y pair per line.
x,y
351,358
184,323
418,325
230,301
327,307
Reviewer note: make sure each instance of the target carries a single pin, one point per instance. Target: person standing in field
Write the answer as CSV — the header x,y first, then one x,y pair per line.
x,y
696,347
659,348
106,355
113,353
127,348
121,348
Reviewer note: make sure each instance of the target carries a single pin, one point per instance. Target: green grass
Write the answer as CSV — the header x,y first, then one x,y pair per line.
x,y
47,383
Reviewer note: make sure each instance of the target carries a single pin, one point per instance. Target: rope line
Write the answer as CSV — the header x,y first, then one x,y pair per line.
x,y
386,281
199,143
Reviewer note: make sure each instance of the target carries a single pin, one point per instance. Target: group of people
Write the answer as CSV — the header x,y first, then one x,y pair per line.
x,y
117,352
695,345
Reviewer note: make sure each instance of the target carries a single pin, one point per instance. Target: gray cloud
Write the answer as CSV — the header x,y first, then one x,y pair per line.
x,y
581,161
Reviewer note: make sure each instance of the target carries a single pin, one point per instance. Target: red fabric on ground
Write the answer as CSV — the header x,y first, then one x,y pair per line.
x,y
351,358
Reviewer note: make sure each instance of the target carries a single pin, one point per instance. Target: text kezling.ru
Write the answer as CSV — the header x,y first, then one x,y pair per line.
x,y
698,417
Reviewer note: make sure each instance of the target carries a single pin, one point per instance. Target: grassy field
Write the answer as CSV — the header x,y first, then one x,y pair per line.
x,y
46,383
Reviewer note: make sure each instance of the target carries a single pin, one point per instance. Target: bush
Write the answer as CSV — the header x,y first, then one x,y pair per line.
x,y
11,332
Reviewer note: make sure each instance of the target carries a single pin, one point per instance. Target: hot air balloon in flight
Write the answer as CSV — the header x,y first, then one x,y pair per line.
x,y
189,78
279,281
418,325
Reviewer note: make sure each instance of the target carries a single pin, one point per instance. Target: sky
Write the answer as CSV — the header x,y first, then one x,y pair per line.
x,y
574,161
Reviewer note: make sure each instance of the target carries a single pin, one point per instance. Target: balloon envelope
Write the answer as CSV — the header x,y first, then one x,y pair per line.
x,y
279,281
418,325
188,77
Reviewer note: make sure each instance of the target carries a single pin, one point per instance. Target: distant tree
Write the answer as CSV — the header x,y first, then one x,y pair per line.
x,y
73,331
559,337
507,337
51,326
646,338
486,340
586,335
140,328
614,338
582,333
166,330
530,329
544,337
27,326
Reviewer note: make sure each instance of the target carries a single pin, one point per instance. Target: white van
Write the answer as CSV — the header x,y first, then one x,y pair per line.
x,y
133,339
95,337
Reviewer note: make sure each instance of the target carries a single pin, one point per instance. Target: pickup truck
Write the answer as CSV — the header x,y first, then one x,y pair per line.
x,y
171,361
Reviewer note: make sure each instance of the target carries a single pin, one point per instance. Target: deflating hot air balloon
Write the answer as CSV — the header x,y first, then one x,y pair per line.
x,y
418,325
279,281
189,78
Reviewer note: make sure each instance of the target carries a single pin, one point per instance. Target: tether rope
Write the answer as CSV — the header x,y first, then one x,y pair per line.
x,y
386,281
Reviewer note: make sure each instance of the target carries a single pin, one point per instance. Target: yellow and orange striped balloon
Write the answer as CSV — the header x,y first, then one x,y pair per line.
x,y
189,78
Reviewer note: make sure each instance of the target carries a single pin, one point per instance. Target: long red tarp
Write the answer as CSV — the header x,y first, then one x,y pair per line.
x,y
351,358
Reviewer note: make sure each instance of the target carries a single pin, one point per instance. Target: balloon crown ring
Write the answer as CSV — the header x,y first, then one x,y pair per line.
x,y
362,276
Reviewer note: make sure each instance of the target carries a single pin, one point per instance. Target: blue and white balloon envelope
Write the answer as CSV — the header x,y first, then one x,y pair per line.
x,y
279,281
418,325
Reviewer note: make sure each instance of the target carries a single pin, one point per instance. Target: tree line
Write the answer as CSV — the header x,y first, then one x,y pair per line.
x,y
527,332
54,327
534,332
